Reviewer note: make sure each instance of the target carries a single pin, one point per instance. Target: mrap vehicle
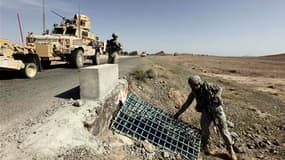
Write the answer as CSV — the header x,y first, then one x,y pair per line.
x,y
71,41
19,58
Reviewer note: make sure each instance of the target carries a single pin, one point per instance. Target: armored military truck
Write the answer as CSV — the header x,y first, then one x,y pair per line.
x,y
71,41
19,57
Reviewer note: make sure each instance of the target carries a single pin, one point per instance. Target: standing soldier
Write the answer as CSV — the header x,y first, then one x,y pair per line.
x,y
63,22
113,48
209,103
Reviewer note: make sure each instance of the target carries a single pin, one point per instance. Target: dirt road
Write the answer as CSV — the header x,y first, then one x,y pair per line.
x,y
23,99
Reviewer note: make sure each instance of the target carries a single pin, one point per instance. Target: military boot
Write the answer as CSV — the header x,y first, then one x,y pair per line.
x,y
232,153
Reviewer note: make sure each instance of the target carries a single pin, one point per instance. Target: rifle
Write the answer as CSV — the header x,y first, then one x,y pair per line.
x,y
54,12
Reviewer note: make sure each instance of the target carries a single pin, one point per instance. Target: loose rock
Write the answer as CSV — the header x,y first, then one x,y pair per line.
x,y
271,86
230,124
260,156
150,74
273,150
250,146
165,154
234,135
276,142
77,103
150,148
282,128
241,148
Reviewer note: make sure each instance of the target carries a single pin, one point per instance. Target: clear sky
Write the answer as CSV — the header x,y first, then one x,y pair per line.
x,y
219,27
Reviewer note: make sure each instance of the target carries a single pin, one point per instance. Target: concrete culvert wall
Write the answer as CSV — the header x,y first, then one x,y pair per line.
x,y
105,112
101,82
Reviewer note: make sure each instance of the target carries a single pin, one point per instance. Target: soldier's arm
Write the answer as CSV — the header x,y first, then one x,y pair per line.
x,y
219,93
118,44
185,105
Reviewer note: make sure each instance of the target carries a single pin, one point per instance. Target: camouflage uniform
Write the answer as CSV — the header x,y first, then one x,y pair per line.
x,y
209,103
113,48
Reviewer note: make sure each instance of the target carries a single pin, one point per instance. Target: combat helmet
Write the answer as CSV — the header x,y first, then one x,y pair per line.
x,y
114,35
195,80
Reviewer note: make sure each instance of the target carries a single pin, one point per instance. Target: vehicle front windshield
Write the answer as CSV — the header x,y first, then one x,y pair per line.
x,y
43,41
70,31
58,31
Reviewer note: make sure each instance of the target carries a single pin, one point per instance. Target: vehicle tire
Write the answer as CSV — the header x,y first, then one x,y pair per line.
x,y
77,58
30,70
45,63
95,59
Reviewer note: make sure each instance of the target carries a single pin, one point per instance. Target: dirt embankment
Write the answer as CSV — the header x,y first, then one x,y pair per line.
x,y
253,96
276,57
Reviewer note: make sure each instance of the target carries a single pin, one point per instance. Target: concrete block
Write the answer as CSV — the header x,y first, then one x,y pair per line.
x,y
98,81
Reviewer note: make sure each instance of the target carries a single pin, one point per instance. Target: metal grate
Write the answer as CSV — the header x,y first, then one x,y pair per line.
x,y
141,120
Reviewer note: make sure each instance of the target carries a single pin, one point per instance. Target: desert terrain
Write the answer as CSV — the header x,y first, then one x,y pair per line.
x,y
253,95
253,102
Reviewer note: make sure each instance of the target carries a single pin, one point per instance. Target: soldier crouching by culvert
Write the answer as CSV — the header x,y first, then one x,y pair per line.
x,y
113,48
209,103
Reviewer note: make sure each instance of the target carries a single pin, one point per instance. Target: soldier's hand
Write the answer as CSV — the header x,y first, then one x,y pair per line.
x,y
175,116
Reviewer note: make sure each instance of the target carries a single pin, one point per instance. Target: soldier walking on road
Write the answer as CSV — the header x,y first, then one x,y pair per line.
x,y
113,48
209,103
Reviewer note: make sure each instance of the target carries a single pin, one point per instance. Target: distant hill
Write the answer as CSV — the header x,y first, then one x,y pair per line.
x,y
277,57
161,53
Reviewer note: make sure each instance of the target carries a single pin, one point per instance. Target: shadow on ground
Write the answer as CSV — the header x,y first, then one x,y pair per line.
x,y
7,75
221,156
73,93
68,66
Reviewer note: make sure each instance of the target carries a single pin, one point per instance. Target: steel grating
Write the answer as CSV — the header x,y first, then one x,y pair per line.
x,y
141,120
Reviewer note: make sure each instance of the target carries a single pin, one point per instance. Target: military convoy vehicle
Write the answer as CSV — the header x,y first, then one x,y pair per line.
x,y
71,41
19,57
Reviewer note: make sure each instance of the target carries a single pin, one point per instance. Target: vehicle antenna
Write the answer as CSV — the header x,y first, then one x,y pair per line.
x,y
20,28
44,17
79,19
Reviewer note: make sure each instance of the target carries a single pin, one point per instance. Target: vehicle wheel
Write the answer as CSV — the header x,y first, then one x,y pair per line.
x,y
77,58
45,63
30,70
95,59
